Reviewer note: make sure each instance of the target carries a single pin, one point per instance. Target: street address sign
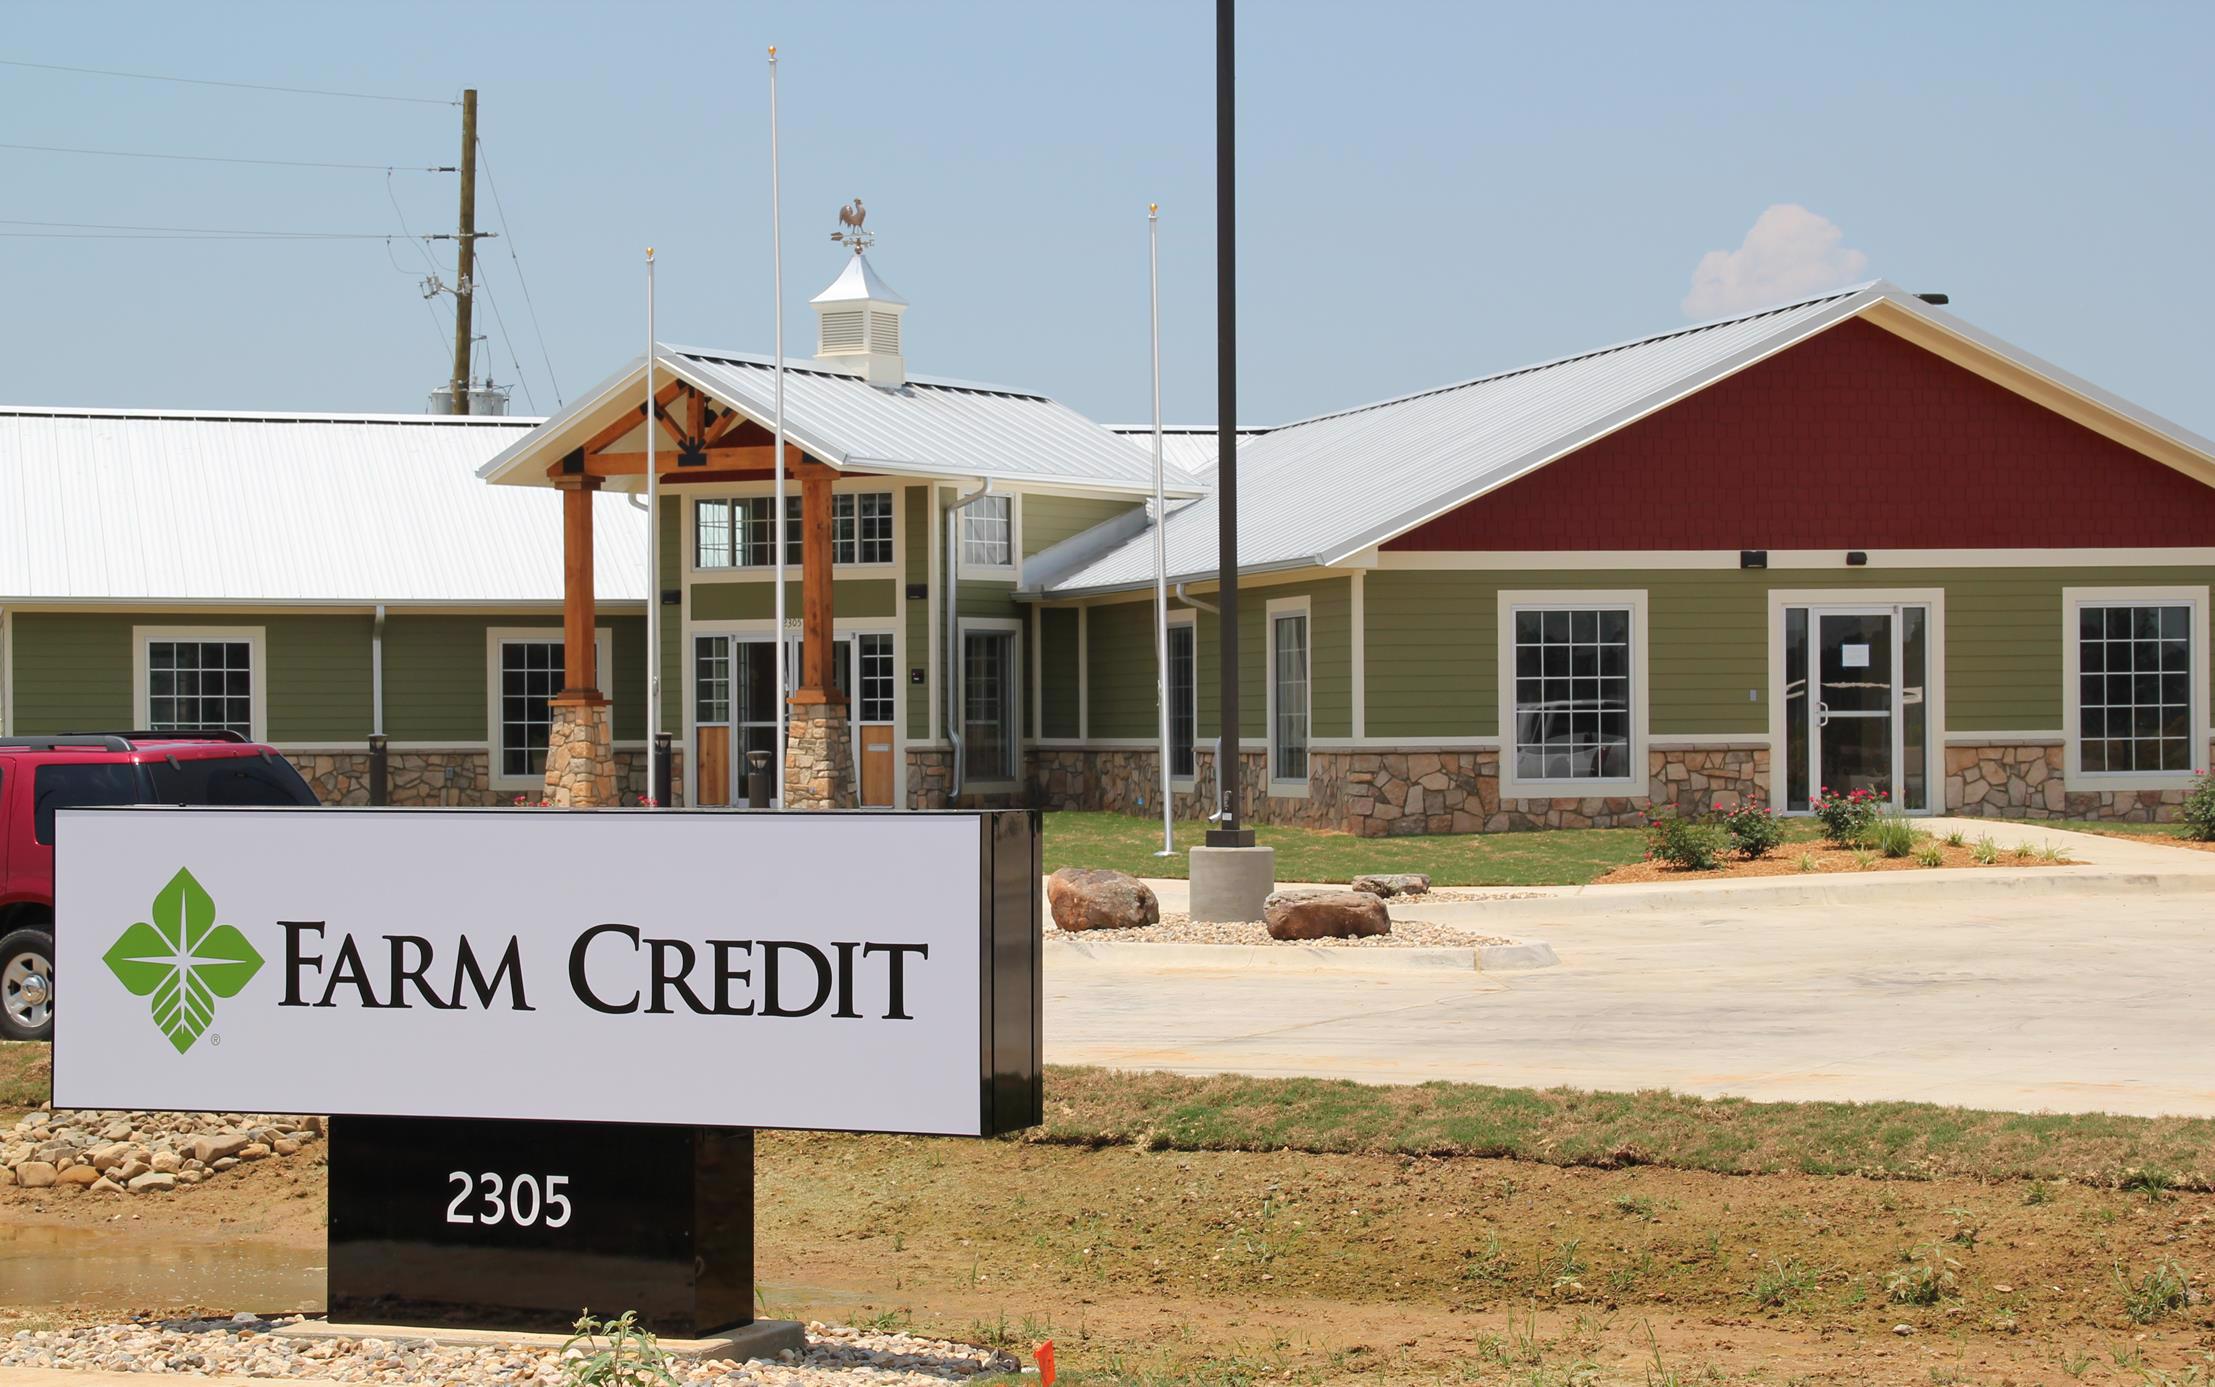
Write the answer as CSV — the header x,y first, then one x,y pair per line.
x,y
854,971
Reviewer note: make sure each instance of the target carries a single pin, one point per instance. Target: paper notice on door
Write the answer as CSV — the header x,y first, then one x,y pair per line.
x,y
1854,656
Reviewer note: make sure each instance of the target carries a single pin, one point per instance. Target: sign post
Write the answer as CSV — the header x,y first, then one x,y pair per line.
x,y
546,1065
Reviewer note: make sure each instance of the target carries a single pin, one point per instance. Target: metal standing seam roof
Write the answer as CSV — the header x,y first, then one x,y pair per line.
x,y
1190,447
929,426
253,508
1322,490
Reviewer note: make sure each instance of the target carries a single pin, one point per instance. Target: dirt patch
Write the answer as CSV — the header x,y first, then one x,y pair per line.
x,y
1813,859
1223,1267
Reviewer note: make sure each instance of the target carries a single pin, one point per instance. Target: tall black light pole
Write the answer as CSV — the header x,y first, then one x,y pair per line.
x,y
1227,833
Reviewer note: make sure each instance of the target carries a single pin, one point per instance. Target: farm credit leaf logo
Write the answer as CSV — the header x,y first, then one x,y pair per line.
x,y
184,960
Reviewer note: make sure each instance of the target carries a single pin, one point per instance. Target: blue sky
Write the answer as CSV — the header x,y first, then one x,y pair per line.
x,y
1427,192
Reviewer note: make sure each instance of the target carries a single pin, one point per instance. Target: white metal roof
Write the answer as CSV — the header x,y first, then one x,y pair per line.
x,y
1187,446
858,282
930,426
1323,490
170,506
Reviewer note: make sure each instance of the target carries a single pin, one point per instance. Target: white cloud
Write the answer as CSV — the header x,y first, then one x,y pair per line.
x,y
1790,253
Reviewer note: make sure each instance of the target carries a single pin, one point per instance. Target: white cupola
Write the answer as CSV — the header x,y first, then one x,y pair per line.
x,y
858,325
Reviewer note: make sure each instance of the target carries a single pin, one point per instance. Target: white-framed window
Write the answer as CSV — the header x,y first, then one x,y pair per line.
x,y
2135,713
524,669
873,658
988,533
991,712
1572,693
1291,694
735,531
1184,695
200,679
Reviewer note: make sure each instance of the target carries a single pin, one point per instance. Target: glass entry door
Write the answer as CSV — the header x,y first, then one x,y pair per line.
x,y
1856,712
736,702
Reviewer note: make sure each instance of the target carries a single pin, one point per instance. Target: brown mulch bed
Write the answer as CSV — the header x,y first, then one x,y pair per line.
x,y
1785,861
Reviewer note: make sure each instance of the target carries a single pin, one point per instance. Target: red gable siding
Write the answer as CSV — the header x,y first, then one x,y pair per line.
x,y
1854,439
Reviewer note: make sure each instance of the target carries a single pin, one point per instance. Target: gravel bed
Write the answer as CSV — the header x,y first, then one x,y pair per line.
x,y
108,1151
1471,893
243,1346
1183,929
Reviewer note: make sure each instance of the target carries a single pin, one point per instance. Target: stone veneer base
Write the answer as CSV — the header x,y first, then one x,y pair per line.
x,y
819,757
458,777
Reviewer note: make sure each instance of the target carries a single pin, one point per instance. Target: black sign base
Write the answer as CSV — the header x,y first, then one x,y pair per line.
x,y
467,1224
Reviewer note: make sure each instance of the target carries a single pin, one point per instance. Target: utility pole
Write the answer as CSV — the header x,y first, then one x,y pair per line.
x,y
465,258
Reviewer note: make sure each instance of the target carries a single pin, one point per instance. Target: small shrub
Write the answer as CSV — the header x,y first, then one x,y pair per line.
x,y
1986,852
1754,830
1864,859
1894,835
2153,1295
614,1353
2198,813
2149,1180
2053,852
1808,863
1932,856
1777,1284
1689,844
1925,1280
1846,817
1957,839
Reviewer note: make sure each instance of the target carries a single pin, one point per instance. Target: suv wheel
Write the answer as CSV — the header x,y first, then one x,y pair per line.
x,y
27,985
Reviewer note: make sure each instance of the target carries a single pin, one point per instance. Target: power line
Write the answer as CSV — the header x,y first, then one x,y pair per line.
x,y
240,86
532,308
501,318
225,159
111,230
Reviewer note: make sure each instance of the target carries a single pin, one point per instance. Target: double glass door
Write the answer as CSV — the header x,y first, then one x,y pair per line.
x,y
1856,709
736,702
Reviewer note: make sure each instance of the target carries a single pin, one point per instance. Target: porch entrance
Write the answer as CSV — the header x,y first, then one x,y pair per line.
x,y
735,701
1857,713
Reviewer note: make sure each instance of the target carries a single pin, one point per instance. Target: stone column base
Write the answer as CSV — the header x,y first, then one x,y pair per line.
x,y
580,754
818,757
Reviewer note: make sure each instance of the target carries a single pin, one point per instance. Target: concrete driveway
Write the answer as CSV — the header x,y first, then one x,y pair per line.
x,y
2079,1000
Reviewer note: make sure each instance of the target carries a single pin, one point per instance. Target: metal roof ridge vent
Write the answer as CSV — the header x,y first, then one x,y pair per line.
x,y
858,316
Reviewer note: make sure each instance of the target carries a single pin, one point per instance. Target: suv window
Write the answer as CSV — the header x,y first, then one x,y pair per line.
x,y
229,780
69,787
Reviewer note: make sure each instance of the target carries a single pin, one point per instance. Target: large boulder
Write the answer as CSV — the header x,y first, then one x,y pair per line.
x,y
1325,915
1085,898
1394,884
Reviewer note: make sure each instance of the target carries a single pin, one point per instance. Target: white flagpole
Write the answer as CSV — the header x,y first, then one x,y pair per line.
x,y
776,256
653,552
1161,542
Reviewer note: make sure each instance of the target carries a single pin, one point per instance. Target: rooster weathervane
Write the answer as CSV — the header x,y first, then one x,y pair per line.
x,y
851,234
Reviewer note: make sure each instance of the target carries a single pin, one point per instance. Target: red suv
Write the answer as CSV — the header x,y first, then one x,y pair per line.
x,y
39,775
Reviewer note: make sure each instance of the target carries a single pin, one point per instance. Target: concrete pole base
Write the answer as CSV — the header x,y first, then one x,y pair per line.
x,y
1229,884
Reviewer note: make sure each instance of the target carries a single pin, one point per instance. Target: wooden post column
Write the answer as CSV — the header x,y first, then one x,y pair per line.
x,y
580,737
580,682
819,747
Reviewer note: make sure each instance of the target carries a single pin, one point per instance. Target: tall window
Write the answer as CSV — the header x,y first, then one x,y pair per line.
x,y
875,654
988,532
861,527
1572,693
1183,686
2134,687
530,675
711,679
988,704
1289,684
200,686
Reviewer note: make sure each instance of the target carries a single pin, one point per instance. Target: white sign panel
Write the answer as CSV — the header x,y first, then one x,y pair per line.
x,y
1853,656
745,970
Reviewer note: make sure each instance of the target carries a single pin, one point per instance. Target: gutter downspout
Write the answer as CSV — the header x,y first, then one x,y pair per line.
x,y
1190,601
953,632
377,672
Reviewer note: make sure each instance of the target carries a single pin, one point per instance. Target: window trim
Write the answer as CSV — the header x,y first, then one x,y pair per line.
x,y
1189,617
1279,787
256,639
689,536
603,642
2073,774
1638,784
1013,628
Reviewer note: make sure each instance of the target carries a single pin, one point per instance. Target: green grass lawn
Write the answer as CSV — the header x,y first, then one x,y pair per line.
x,y
1558,857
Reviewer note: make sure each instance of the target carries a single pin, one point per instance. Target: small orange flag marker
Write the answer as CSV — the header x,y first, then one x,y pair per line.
x,y
1044,1353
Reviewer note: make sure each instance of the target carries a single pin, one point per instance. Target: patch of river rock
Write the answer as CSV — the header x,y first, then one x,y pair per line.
x,y
243,1346
106,1151
1183,929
